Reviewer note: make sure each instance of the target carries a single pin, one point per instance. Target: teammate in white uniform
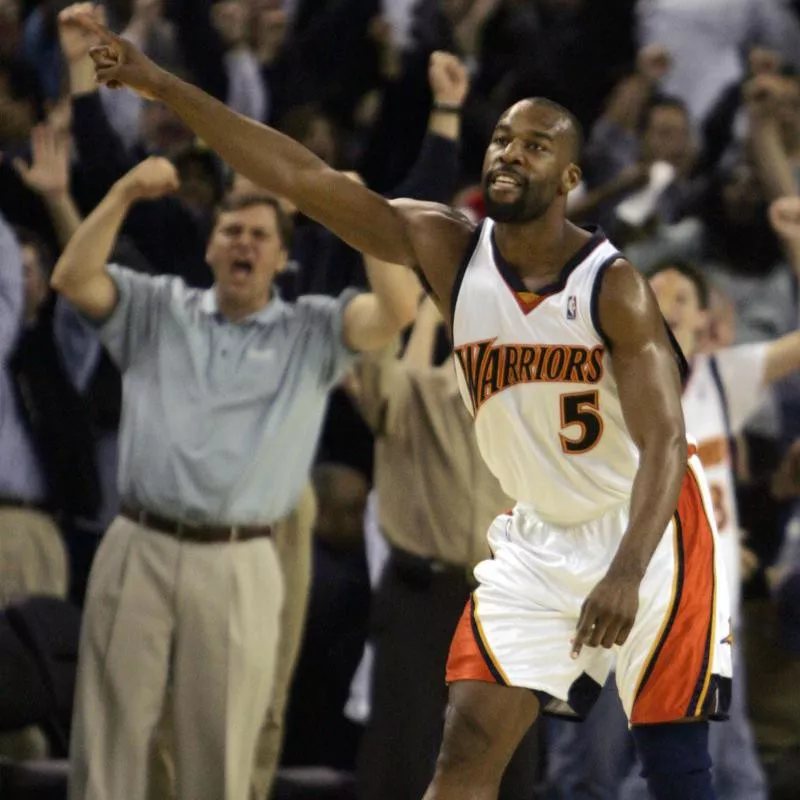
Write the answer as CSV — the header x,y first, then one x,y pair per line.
x,y
576,389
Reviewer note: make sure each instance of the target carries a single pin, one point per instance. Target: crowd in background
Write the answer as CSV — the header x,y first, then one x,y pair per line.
x,y
692,119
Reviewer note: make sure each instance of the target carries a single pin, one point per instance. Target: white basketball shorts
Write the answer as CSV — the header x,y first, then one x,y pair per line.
x,y
517,626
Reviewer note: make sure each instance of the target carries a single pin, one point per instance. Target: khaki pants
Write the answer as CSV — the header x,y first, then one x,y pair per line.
x,y
201,618
293,545
33,561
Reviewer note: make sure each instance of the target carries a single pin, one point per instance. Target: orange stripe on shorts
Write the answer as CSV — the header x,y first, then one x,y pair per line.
x,y
470,658
674,681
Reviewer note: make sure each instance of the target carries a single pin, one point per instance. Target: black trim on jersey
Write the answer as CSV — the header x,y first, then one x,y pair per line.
x,y
594,309
462,269
713,365
594,300
516,284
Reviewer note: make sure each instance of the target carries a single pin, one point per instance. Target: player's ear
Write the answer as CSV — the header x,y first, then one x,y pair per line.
x,y
570,178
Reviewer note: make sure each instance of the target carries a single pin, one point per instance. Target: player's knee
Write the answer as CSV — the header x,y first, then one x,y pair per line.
x,y
675,760
467,745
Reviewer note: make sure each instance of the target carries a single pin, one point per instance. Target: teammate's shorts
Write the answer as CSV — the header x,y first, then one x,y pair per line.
x,y
517,626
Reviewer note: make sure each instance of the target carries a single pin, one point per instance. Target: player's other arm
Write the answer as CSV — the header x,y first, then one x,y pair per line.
x,y
80,274
650,394
649,384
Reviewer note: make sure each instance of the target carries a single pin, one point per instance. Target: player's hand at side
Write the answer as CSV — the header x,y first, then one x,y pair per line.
x,y
152,178
607,614
116,61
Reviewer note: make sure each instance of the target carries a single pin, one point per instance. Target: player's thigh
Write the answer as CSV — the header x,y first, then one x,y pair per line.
x,y
484,723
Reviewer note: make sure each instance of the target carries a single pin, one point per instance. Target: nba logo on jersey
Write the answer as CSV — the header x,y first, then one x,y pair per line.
x,y
572,307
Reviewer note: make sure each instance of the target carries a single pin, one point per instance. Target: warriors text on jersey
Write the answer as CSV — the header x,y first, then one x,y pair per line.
x,y
535,372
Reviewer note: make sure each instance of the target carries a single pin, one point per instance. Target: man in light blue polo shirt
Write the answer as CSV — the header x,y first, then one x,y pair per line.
x,y
223,397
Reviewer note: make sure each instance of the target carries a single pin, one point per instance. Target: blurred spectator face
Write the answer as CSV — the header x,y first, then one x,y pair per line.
x,y
9,27
246,252
721,322
309,126
163,130
36,286
320,140
18,108
230,17
667,136
679,301
742,196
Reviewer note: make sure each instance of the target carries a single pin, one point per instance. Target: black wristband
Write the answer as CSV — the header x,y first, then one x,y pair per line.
x,y
446,108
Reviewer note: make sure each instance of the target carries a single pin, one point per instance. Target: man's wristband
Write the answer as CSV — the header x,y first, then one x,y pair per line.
x,y
446,108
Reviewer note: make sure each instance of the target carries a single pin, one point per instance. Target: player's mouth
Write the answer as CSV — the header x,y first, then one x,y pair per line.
x,y
505,183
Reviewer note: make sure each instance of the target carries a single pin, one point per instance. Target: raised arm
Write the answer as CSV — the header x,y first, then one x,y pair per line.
x,y
649,385
387,230
80,274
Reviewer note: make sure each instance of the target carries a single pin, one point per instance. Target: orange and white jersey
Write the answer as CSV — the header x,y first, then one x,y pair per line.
x,y
722,393
536,374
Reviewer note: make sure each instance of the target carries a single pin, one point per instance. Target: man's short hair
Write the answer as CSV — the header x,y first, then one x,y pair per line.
x,y
29,238
237,202
661,101
689,271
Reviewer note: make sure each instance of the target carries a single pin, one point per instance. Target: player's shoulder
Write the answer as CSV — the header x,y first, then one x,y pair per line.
x,y
436,219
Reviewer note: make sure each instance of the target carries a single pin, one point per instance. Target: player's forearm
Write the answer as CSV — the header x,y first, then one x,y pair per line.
x,y
89,248
654,499
365,220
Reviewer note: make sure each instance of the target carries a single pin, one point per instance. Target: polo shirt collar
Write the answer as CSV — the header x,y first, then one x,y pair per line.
x,y
209,305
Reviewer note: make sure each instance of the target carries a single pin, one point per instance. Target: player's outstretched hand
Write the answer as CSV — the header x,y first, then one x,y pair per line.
x,y
784,216
152,178
116,61
607,614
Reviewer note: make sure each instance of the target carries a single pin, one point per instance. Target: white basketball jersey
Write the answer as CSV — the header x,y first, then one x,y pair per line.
x,y
722,392
534,371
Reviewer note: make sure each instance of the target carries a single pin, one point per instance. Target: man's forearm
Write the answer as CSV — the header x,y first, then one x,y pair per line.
x,y
654,500
89,249
397,289
65,216
772,161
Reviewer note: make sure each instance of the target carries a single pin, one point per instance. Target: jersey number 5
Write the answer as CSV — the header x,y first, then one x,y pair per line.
x,y
583,410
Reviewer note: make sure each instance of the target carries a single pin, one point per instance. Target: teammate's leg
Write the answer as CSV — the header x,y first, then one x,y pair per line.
x,y
483,726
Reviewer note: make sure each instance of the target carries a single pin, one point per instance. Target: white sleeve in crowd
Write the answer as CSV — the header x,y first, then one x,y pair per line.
x,y
742,369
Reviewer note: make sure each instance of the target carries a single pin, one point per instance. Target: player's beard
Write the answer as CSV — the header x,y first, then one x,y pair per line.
x,y
531,204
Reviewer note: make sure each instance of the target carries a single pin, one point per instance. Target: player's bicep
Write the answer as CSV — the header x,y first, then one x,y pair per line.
x,y
440,237
644,359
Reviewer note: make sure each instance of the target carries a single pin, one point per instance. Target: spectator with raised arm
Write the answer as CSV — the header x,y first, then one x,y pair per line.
x,y
267,368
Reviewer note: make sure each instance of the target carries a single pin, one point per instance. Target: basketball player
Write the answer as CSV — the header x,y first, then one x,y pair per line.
x,y
577,409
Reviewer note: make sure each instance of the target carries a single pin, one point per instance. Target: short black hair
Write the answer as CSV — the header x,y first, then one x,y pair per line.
x,y
237,202
661,101
689,271
575,127
29,238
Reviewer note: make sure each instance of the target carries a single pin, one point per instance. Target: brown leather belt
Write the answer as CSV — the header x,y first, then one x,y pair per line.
x,y
7,501
187,531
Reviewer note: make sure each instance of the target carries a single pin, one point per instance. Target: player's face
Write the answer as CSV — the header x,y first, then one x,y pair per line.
x,y
245,253
679,302
527,164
